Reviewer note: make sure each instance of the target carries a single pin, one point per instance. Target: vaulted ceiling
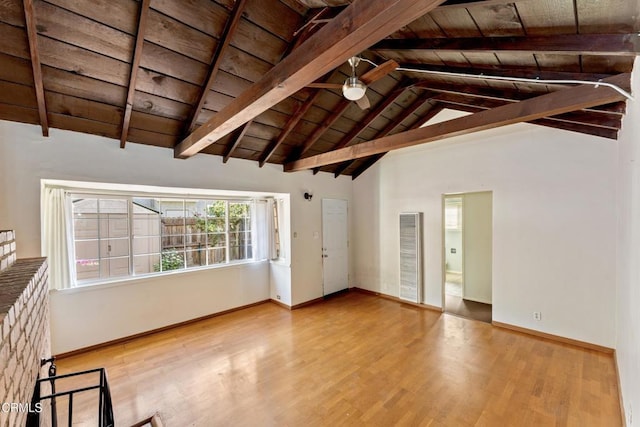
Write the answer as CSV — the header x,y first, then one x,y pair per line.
x,y
260,79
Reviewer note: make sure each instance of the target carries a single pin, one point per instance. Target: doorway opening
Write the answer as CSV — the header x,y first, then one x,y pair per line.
x,y
468,235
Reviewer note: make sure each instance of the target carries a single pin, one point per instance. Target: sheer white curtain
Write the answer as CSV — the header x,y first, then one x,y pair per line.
x,y
274,238
259,230
277,217
264,230
57,238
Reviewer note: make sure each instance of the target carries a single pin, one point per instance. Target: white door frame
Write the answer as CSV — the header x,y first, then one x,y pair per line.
x,y
443,230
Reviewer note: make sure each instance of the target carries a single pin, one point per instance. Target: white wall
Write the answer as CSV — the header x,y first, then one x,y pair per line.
x,y
89,315
280,282
628,290
26,158
554,221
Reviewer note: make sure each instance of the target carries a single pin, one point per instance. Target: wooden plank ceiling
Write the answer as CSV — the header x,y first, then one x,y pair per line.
x,y
228,78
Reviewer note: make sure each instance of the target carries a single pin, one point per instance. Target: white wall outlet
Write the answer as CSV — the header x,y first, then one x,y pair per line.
x,y
537,315
278,296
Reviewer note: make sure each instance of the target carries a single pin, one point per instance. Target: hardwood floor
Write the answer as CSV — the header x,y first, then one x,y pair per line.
x,y
352,360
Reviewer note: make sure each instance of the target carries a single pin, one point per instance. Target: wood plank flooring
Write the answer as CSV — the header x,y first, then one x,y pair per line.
x,y
352,360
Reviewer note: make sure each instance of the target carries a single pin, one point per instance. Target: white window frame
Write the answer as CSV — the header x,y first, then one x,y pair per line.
x,y
453,216
184,252
259,243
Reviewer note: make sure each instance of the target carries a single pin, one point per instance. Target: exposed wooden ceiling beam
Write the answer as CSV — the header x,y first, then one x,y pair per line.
x,y
135,64
304,32
235,141
372,115
587,129
360,25
440,105
337,111
449,4
428,116
578,127
32,34
361,126
366,164
390,127
291,124
568,44
502,71
373,159
482,91
591,118
225,39
308,29
551,104
349,137
404,114
500,94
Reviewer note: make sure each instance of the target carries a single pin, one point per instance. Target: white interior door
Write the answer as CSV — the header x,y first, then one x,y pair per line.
x,y
477,235
335,246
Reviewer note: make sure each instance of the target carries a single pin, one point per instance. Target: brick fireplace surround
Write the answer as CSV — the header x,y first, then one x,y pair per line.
x,y
24,329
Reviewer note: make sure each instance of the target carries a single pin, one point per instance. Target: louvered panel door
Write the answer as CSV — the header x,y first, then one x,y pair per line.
x,y
410,256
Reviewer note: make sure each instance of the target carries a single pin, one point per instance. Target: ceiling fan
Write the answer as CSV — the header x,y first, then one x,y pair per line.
x,y
354,88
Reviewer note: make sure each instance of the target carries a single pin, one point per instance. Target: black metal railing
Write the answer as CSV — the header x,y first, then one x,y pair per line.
x,y
105,405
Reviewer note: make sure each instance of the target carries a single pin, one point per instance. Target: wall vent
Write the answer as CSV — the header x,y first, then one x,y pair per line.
x,y
411,256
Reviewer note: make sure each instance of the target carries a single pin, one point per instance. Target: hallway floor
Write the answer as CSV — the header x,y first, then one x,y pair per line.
x,y
455,304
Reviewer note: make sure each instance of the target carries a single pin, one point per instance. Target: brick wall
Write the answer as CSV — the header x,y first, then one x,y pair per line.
x,y
7,249
24,330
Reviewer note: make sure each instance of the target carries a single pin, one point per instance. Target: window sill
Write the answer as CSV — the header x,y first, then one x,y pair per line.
x,y
128,281
283,262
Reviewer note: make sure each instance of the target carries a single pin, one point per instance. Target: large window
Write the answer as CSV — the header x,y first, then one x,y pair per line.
x,y
117,236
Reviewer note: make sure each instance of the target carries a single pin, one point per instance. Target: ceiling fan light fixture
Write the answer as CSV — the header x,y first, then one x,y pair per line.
x,y
353,89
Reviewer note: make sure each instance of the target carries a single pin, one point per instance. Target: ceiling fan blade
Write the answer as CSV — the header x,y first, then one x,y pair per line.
x,y
325,85
363,102
379,72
